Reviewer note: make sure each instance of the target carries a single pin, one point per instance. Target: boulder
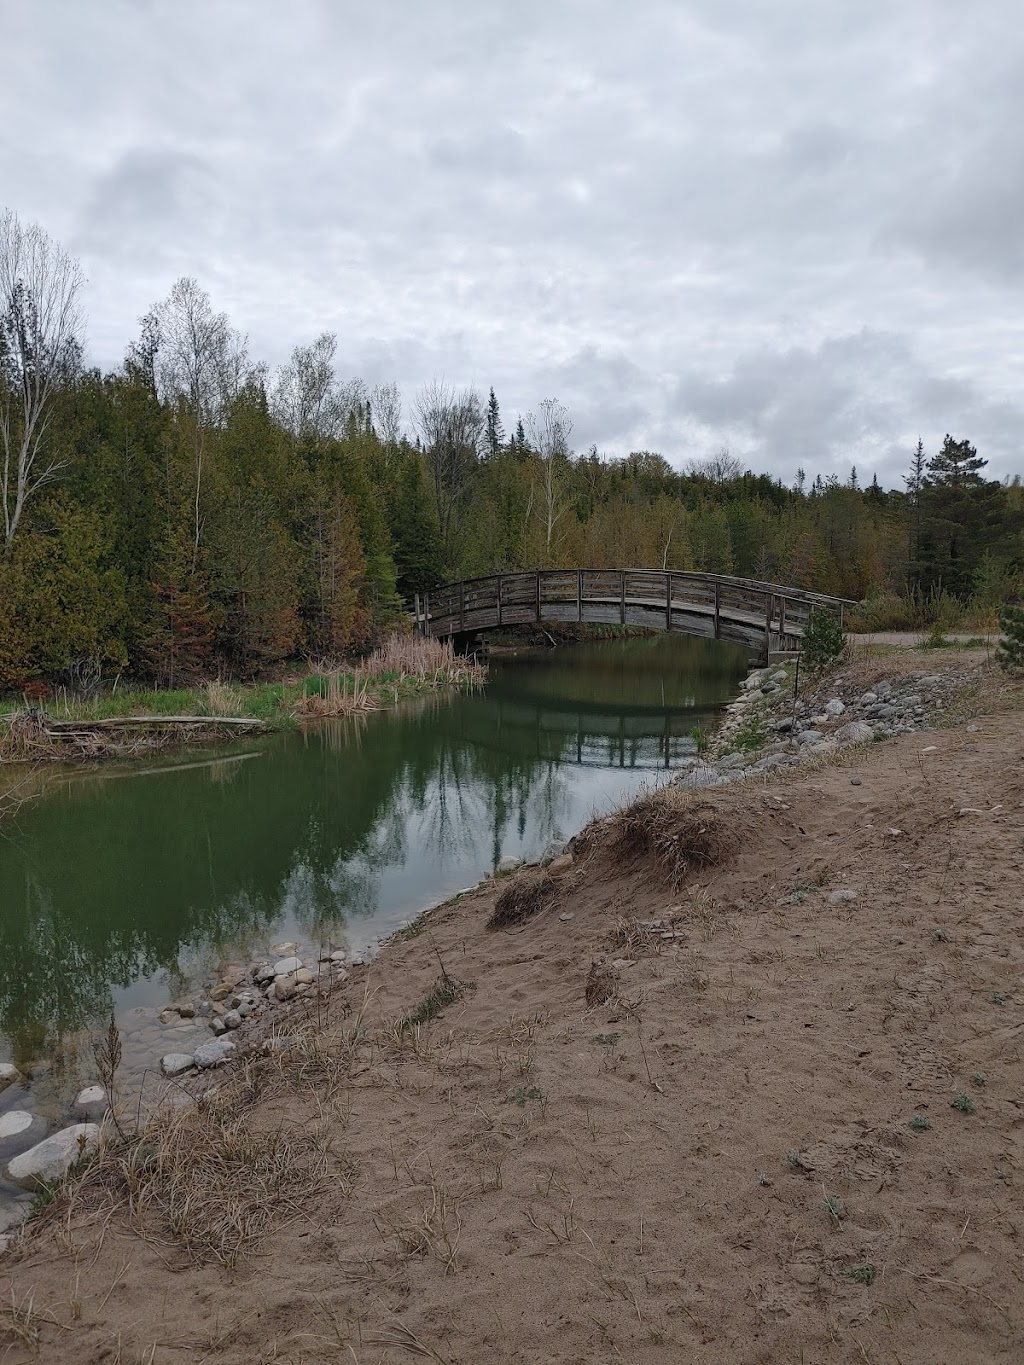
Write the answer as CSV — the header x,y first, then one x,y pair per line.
x,y
284,988
304,977
9,1075
508,865
287,966
700,778
175,1063
213,1054
868,699
263,973
835,707
19,1130
552,850
232,1019
91,1104
854,732
50,1160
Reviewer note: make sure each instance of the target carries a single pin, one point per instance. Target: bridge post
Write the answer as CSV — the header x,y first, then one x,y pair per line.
x,y
668,601
538,597
579,595
416,613
718,608
622,595
499,601
462,607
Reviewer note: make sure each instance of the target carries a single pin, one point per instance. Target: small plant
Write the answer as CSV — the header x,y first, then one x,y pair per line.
x,y
107,1051
1010,650
752,734
445,992
997,998
963,1103
920,1123
979,1079
862,1274
794,1159
824,642
834,1205
936,638
522,1094
701,738
941,935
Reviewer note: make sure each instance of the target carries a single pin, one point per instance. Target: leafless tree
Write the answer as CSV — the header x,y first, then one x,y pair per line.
x,y
387,414
719,468
451,425
308,399
40,348
549,430
200,361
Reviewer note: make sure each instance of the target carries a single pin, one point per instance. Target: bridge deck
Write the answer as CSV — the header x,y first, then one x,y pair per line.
x,y
763,616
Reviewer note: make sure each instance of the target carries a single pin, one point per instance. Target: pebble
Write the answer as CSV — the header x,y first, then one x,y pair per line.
x,y
855,782
566,917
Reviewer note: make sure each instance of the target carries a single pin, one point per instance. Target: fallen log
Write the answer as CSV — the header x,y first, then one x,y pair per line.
x,y
120,722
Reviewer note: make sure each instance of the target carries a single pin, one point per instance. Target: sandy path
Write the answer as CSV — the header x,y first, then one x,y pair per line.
x,y
717,1166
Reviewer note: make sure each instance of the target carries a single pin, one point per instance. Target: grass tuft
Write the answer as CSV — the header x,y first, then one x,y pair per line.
x,y
523,898
678,838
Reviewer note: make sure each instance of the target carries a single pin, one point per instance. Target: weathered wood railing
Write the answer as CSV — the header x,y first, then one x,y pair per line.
x,y
764,616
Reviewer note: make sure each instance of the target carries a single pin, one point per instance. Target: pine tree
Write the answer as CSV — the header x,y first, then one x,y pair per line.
x,y
519,440
495,434
1010,652
957,465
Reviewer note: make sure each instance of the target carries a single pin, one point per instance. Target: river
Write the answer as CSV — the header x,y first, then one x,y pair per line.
x,y
125,887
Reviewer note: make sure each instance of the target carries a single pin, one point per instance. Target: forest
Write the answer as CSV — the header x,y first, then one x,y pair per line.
x,y
192,514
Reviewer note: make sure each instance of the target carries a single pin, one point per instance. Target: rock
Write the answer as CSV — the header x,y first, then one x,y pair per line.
x,y
221,991
264,973
19,1130
809,737
5,1242
784,725
775,761
304,977
835,707
561,864
284,949
915,699
868,699
567,916
9,1075
91,1104
855,782
213,1054
50,1160
508,865
841,896
205,1009
186,1009
287,966
218,1026
175,1063
700,778
552,850
781,676
883,688
284,988
338,955
232,1019
733,760
854,732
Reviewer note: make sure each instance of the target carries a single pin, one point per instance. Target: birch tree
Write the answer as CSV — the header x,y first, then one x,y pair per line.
x,y
549,432
40,349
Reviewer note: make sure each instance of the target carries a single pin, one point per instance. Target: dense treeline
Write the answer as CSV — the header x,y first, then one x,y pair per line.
x,y
191,513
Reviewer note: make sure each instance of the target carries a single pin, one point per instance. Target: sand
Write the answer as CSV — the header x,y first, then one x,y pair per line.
x,y
715,1165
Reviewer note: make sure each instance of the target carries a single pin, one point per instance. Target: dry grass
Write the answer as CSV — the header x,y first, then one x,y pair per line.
x,y
523,898
679,838
207,1178
403,663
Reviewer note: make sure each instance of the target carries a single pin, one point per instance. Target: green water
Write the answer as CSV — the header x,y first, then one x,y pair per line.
x,y
125,887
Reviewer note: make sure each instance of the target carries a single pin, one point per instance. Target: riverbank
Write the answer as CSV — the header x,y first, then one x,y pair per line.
x,y
126,723
736,1081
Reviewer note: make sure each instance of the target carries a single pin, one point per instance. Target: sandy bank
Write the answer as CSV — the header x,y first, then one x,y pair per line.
x,y
746,1088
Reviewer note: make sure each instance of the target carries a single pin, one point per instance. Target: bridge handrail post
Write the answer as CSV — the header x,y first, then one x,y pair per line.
x,y
668,601
462,606
718,608
622,595
499,601
579,595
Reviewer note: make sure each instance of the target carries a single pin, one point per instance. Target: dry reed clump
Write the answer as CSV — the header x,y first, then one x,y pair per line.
x,y
601,984
205,1179
678,837
400,662
523,898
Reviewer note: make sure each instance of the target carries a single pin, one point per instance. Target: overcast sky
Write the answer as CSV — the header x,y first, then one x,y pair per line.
x,y
793,228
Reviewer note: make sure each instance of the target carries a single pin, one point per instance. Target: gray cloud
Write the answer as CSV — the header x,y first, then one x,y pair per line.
x,y
792,229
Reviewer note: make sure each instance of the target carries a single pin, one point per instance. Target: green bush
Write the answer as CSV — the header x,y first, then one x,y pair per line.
x,y
824,642
1010,651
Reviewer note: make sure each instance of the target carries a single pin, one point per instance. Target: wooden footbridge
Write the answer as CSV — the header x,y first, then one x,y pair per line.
x,y
764,617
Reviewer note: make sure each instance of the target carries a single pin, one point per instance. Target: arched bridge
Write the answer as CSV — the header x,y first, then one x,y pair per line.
x,y
765,617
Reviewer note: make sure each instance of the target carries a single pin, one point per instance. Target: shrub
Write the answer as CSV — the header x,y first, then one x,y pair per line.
x,y
1010,651
824,642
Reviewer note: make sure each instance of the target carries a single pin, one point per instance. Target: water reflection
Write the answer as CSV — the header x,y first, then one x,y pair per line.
x,y
116,878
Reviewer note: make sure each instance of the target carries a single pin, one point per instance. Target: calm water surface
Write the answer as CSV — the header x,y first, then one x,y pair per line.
x,y
123,888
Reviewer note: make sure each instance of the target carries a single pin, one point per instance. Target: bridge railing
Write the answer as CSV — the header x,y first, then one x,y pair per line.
x,y
712,604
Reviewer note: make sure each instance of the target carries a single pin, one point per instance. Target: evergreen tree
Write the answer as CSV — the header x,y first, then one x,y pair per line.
x,y
495,432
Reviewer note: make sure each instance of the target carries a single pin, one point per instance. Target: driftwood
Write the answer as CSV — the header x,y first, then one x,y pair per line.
x,y
121,722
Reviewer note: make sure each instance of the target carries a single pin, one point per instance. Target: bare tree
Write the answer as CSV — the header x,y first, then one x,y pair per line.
x,y
387,414
719,468
198,360
40,348
307,398
451,424
549,431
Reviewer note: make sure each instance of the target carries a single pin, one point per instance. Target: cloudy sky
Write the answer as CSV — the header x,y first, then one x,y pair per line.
x,y
793,228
